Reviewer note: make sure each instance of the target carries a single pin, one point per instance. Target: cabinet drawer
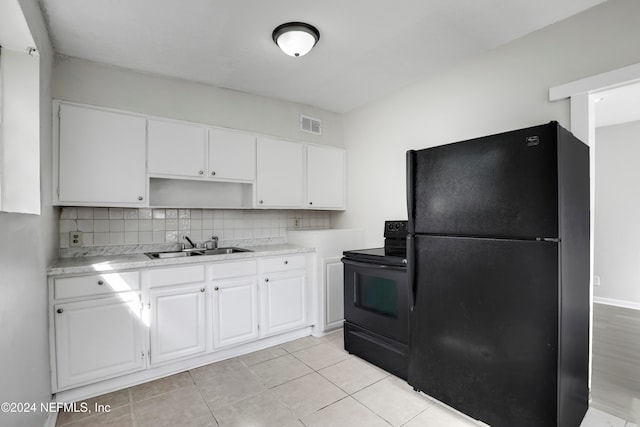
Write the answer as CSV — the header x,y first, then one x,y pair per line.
x,y
234,269
284,263
96,284
176,275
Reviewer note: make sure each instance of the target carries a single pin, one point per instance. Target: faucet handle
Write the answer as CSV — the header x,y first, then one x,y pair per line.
x,y
212,244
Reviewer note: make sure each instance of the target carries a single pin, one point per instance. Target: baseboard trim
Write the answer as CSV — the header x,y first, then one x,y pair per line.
x,y
51,419
617,303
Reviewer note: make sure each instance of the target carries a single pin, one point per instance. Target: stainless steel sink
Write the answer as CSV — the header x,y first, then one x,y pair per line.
x,y
174,254
195,252
224,251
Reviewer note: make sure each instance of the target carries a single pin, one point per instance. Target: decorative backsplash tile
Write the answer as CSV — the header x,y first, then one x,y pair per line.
x,y
123,226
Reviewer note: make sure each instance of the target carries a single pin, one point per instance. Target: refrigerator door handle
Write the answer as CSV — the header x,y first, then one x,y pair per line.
x,y
548,239
411,269
411,156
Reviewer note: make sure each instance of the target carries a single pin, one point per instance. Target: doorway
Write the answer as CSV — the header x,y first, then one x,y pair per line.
x,y
605,113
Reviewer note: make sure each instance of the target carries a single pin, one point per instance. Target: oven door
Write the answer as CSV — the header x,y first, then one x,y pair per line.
x,y
376,298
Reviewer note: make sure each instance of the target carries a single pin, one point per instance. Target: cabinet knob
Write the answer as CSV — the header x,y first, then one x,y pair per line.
x,y
201,172
216,288
266,280
213,172
201,289
140,197
100,282
286,262
260,202
59,311
310,203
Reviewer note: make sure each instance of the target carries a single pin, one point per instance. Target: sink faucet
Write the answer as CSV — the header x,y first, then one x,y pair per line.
x,y
193,245
211,244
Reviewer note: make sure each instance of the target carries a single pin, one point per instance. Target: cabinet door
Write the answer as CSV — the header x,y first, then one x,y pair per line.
x,y
101,157
232,155
177,322
279,174
333,292
97,339
235,311
325,177
284,300
176,149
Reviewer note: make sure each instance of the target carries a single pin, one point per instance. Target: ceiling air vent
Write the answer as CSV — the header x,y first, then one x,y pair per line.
x,y
311,125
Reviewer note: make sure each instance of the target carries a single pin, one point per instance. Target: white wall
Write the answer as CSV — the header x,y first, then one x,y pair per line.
x,y
28,246
504,89
93,83
617,213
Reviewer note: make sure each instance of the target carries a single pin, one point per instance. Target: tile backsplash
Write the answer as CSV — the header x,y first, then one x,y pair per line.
x,y
122,226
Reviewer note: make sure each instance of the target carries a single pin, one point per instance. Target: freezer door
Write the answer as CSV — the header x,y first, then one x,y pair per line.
x,y
484,328
503,185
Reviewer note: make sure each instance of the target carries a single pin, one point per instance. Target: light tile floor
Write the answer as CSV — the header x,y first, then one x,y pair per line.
x,y
308,382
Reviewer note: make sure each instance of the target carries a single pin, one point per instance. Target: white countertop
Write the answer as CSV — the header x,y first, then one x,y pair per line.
x,y
93,264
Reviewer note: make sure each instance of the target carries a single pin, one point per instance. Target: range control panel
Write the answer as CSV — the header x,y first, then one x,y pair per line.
x,y
395,229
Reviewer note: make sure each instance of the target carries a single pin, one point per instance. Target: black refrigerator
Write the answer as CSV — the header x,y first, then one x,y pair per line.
x,y
498,262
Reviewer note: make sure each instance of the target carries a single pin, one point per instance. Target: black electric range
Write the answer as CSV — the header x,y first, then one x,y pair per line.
x,y
376,301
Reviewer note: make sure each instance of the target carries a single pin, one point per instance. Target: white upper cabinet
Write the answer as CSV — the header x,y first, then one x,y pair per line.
x,y
325,177
101,157
193,151
108,158
176,149
232,155
279,174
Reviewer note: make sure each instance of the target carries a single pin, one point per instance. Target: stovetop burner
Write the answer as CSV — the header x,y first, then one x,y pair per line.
x,y
394,251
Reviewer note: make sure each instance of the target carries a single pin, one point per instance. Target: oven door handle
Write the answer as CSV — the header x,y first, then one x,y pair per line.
x,y
411,270
374,265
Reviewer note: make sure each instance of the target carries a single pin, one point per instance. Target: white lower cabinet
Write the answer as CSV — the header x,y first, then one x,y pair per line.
x,y
334,288
109,325
283,294
235,311
283,303
329,277
177,326
98,339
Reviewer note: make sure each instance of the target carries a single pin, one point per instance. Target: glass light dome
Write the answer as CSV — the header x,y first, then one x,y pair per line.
x,y
296,38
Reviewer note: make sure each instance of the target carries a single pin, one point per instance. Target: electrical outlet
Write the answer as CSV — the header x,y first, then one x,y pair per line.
x,y
75,238
296,223
596,280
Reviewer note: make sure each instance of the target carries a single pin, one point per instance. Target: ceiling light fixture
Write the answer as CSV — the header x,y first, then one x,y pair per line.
x,y
296,38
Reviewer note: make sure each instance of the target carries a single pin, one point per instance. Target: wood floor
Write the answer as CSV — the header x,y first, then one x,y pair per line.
x,y
615,381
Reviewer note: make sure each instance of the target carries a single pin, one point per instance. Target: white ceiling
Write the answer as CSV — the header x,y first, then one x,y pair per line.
x,y
367,48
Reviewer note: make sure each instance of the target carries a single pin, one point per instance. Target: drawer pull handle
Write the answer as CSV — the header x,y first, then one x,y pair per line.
x,y
60,310
201,289
100,282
